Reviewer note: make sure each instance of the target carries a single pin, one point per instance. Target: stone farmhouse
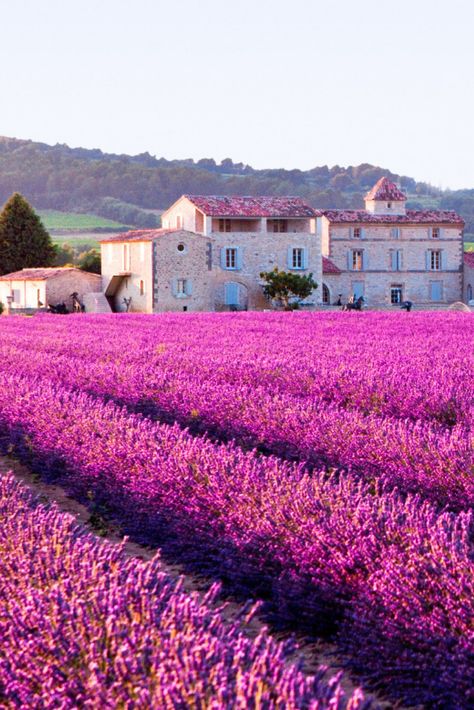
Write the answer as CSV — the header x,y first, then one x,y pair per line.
x,y
211,250
209,254
387,253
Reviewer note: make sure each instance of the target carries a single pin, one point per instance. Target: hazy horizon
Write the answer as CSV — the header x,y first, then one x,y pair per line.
x,y
267,84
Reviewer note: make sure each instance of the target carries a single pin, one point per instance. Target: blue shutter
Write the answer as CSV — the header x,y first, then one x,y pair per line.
x,y
399,260
362,233
444,261
290,257
351,232
349,260
365,260
393,260
238,258
174,287
223,252
428,260
189,287
305,258
395,232
231,291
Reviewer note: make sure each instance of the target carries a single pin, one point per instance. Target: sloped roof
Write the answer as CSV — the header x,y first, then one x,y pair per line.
x,y
236,206
411,217
469,259
385,190
142,235
329,267
40,274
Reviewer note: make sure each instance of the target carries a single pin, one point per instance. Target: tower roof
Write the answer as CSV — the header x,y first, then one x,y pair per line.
x,y
386,191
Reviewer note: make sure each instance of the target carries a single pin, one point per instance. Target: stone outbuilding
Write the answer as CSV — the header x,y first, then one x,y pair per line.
x,y
33,289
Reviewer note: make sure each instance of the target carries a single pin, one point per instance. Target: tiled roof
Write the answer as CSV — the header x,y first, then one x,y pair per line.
x,y
234,206
39,274
469,259
329,267
385,190
139,235
411,217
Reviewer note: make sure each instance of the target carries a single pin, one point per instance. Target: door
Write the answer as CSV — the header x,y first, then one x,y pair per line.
x,y
436,291
358,289
231,294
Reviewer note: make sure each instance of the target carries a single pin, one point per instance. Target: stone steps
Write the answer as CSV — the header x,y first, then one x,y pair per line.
x,y
96,303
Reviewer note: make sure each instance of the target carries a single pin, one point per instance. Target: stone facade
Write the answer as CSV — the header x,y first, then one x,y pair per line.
x,y
388,254
201,262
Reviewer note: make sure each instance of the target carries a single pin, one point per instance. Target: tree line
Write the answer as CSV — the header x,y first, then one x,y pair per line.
x,y
126,187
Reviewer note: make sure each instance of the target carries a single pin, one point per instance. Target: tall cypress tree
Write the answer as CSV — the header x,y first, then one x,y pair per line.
x,y
24,242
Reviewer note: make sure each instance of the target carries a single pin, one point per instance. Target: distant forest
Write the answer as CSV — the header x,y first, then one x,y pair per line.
x,y
125,188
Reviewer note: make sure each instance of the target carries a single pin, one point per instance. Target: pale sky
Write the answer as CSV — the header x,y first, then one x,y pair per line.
x,y
273,83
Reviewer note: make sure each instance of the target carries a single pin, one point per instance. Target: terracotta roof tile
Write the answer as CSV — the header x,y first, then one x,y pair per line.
x,y
329,267
39,274
469,259
411,217
139,235
236,206
385,190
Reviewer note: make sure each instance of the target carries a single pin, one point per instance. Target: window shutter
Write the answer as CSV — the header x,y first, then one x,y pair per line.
x,y
441,233
351,232
305,258
444,261
430,232
231,294
290,258
399,260
362,232
393,259
189,287
238,258
223,251
395,232
427,260
365,260
349,260
174,287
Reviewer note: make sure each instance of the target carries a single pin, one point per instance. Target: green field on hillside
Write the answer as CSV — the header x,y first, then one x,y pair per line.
x,y
53,219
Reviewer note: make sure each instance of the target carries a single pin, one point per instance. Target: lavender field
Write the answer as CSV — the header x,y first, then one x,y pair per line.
x,y
319,463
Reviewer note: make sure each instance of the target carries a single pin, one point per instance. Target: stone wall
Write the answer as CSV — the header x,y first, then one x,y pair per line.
x,y
412,275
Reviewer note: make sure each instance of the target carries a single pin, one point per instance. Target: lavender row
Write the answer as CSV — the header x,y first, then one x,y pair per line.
x,y
414,456
82,625
320,547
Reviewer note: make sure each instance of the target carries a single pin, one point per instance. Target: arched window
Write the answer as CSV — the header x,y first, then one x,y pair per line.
x,y
326,295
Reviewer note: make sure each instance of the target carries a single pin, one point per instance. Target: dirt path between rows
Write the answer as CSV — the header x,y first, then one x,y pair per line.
x,y
310,654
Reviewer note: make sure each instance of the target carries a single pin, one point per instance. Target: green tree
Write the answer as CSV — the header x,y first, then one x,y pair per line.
x,y
90,261
24,242
284,285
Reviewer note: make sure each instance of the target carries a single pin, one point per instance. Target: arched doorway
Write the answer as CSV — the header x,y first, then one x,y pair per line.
x,y
326,295
232,296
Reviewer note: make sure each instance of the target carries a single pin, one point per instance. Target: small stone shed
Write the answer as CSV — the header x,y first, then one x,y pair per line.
x,y
36,288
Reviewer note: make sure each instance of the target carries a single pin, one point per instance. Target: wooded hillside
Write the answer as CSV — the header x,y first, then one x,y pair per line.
x,y
124,187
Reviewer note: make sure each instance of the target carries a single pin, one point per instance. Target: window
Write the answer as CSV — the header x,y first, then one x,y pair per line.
x,y
16,293
357,260
225,225
389,205
142,288
357,233
326,295
279,225
231,258
396,294
469,292
395,232
435,233
181,287
395,259
297,259
434,260
181,248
